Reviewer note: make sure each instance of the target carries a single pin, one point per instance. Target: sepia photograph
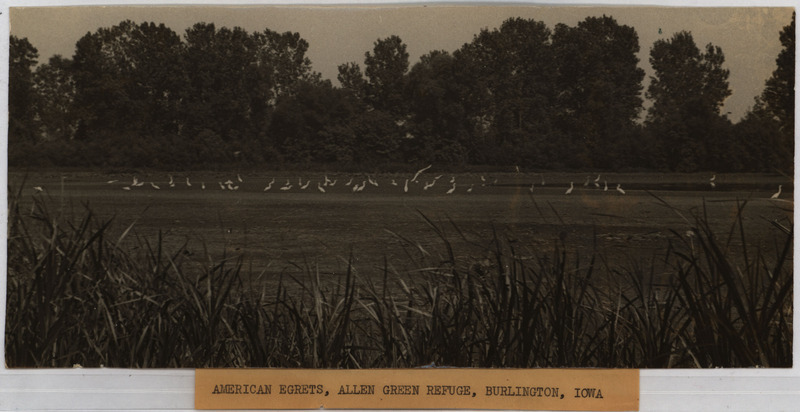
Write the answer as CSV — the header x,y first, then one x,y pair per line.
x,y
400,186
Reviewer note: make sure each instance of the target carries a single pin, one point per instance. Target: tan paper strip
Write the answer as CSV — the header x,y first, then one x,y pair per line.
x,y
523,389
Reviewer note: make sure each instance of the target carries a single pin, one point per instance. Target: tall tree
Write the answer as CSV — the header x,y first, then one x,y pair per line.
x,y
386,67
510,75
127,78
351,78
766,134
21,95
599,84
778,96
688,89
55,89
439,126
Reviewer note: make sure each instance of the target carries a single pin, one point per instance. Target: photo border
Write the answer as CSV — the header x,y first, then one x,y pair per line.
x,y
173,389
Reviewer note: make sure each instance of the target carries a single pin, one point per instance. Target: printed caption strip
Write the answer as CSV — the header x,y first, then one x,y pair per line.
x,y
519,389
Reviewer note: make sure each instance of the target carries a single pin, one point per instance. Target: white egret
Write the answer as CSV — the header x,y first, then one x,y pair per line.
x,y
221,186
333,183
416,175
350,182
303,187
394,183
483,179
542,179
405,187
239,178
135,181
229,182
587,181
355,188
605,186
437,177
776,195
287,187
429,185
453,179
38,189
187,182
363,185
713,178
230,186
598,179
569,191
269,186
126,188
531,188
713,185
325,183
452,189
235,187
321,189
619,189
155,186
112,181
494,183
203,185
470,188
171,182
372,182
517,167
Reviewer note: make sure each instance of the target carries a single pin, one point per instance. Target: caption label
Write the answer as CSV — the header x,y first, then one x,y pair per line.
x,y
542,389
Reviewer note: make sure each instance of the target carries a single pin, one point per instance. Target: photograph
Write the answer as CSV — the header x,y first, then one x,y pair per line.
x,y
400,186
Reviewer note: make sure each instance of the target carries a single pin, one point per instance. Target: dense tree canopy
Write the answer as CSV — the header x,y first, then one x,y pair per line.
x,y
139,94
688,89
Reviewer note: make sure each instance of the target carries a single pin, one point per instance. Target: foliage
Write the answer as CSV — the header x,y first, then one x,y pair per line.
x,y
82,292
688,90
140,95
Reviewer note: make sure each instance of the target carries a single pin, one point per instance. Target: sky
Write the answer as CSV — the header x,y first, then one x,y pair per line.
x,y
339,34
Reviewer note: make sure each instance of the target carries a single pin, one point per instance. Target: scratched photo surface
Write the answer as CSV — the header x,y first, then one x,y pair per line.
x,y
395,187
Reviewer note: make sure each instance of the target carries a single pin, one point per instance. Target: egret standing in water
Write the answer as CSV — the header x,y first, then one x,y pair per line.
x,y
405,187
187,182
452,189
776,195
569,191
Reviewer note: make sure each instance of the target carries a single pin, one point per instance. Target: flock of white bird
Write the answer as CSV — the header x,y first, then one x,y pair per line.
x,y
326,184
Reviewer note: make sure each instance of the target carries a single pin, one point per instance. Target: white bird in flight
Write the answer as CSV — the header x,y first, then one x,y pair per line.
x,y
416,175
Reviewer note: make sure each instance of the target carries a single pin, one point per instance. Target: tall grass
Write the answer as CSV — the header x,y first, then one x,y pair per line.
x,y
78,295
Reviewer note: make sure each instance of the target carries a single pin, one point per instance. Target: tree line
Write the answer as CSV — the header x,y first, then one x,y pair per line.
x,y
140,95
